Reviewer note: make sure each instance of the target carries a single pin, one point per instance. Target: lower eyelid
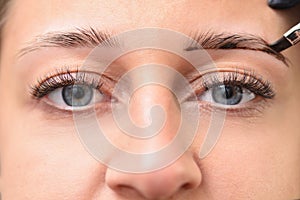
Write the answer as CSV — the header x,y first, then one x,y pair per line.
x,y
252,109
51,112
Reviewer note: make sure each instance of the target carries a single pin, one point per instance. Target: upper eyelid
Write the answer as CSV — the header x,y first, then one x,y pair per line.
x,y
247,79
64,78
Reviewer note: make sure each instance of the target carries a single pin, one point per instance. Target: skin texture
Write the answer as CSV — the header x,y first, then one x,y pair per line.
x,y
257,156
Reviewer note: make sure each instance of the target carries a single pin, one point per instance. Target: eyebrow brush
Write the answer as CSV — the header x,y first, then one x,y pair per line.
x,y
290,38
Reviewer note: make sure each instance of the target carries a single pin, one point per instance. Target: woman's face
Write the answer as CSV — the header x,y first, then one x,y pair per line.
x,y
257,155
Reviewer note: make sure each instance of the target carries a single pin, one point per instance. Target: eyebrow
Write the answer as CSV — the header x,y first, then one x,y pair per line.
x,y
211,40
78,38
91,38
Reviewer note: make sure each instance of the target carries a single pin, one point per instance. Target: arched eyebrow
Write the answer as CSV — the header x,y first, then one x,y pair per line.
x,y
91,38
211,40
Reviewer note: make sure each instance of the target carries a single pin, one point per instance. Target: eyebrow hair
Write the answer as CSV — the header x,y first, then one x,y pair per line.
x,y
91,38
210,40
78,38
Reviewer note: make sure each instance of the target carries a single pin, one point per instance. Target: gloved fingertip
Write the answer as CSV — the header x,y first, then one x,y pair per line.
x,y
282,4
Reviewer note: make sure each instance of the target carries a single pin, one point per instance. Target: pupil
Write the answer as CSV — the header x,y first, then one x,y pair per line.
x,y
227,94
77,95
78,92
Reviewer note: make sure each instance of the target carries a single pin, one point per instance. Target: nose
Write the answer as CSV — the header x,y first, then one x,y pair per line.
x,y
182,175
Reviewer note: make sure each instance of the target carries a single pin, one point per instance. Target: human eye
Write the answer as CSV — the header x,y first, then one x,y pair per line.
x,y
234,90
72,90
229,95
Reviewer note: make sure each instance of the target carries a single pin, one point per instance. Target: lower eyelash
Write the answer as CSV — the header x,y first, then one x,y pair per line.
x,y
251,110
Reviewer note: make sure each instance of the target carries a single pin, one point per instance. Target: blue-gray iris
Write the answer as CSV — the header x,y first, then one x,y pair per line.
x,y
77,95
227,94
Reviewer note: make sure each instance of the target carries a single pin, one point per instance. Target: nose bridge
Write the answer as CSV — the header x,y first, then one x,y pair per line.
x,y
145,99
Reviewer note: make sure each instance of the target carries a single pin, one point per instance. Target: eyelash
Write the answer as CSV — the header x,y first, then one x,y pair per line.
x,y
245,79
63,78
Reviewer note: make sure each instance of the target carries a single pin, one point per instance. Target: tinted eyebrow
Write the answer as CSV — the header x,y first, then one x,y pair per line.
x,y
211,40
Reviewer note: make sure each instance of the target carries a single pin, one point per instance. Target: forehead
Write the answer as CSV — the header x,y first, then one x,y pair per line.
x,y
182,15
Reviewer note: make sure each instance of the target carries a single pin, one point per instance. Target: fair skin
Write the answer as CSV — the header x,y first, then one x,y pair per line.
x,y
257,156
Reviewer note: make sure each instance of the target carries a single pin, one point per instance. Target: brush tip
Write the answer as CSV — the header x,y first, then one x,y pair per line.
x,y
281,44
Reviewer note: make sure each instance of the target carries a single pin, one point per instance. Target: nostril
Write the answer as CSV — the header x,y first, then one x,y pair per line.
x,y
126,191
122,188
186,186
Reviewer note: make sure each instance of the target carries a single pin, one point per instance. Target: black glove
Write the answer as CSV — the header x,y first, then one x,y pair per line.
x,y
282,4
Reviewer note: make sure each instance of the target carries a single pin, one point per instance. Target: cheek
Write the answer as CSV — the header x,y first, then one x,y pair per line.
x,y
250,161
41,161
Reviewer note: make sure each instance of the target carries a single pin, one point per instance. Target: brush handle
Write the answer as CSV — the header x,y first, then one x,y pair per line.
x,y
293,35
